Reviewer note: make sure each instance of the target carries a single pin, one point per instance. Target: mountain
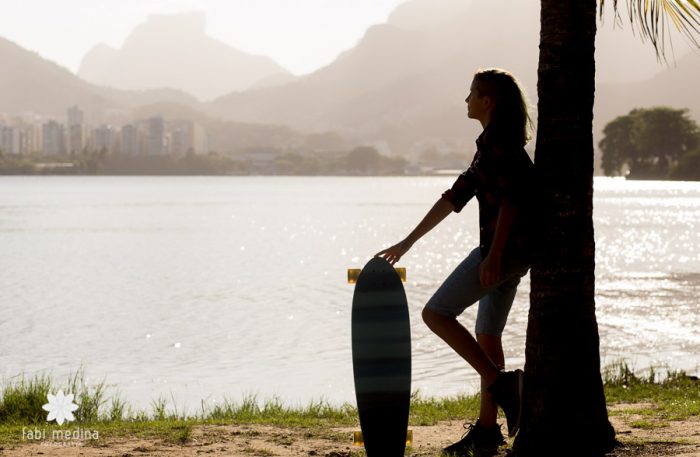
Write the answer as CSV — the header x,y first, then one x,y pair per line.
x,y
402,86
404,82
174,51
31,84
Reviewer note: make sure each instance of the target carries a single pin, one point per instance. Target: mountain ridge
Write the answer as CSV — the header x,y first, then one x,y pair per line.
x,y
173,50
402,85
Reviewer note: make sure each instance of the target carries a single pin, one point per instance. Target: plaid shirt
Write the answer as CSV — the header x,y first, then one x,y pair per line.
x,y
500,173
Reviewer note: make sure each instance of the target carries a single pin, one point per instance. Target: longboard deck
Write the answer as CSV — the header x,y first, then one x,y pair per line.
x,y
381,356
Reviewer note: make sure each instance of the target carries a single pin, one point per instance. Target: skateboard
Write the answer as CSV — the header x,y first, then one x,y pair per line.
x,y
381,358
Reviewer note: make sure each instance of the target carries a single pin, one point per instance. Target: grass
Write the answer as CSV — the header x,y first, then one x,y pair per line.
x,y
662,397
430,411
647,424
674,394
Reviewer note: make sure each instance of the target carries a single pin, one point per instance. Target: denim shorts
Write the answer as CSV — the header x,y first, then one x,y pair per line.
x,y
462,289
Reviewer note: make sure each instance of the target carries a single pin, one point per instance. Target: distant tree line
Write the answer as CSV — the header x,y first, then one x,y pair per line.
x,y
653,143
362,160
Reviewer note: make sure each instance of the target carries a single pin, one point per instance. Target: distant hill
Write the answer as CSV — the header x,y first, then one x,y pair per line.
x,y
28,83
32,84
401,87
404,82
174,51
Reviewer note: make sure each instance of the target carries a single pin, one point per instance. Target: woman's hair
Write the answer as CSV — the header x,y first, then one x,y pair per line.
x,y
510,116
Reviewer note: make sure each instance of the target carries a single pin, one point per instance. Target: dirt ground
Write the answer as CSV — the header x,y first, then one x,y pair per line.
x,y
641,437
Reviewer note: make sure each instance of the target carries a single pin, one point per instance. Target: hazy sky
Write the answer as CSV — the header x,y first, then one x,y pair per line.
x,y
301,35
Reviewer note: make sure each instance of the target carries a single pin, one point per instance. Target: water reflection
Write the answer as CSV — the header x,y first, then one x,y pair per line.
x,y
199,288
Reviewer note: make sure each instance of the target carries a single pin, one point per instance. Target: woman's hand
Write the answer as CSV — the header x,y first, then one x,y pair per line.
x,y
437,213
394,253
490,271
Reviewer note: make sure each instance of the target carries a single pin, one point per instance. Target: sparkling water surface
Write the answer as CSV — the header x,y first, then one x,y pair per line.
x,y
200,289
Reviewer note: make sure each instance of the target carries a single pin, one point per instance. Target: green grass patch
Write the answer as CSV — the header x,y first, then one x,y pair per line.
x,y
430,411
648,425
674,394
23,398
274,412
670,396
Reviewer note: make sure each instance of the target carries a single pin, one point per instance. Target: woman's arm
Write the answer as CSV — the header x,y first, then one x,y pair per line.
x,y
440,210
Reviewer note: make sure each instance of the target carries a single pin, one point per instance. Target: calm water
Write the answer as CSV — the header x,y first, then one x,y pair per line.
x,y
199,289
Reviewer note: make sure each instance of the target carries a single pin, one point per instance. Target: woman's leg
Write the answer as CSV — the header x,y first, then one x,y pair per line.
x,y
460,290
463,343
492,315
493,348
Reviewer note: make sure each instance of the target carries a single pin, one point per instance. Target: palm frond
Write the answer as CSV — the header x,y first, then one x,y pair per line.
x,y
652,17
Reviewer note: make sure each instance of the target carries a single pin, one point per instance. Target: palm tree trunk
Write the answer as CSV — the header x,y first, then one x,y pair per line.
x,y
564,411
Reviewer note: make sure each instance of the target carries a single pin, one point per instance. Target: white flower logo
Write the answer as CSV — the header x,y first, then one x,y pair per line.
x,y
60,408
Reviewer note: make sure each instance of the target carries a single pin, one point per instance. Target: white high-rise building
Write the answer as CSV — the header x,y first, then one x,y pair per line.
x,y
9,139
156,136
200,140
76,130
130,144
188,137
76,138
53,138
103,138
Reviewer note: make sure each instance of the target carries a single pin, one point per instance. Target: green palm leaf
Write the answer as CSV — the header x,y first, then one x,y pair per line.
x,y
652,18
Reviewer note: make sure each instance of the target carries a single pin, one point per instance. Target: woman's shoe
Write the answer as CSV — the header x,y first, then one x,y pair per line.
x,y
478,439
507,392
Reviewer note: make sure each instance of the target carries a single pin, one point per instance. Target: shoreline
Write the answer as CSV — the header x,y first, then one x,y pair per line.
x,y
654,414
640,434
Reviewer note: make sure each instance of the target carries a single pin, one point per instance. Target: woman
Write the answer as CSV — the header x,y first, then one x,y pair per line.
x,y
501,178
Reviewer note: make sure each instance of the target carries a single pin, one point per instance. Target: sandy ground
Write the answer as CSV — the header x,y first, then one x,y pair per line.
x,y
652,438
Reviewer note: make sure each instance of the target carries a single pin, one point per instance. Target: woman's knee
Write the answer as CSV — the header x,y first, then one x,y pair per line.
x,y
428,317
432,319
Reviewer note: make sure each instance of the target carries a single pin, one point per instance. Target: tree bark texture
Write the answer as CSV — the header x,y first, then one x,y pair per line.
x,y
564,411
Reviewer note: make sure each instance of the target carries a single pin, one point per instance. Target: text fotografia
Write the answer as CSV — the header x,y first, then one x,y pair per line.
x,y
59,437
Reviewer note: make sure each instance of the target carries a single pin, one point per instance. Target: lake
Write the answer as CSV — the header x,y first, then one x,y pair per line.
x,y
197,289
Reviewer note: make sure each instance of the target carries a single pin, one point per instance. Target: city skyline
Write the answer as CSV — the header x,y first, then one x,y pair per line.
x,y
72,135
401,89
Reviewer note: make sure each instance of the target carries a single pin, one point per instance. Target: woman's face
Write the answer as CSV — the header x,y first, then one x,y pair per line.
x,y
478,107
